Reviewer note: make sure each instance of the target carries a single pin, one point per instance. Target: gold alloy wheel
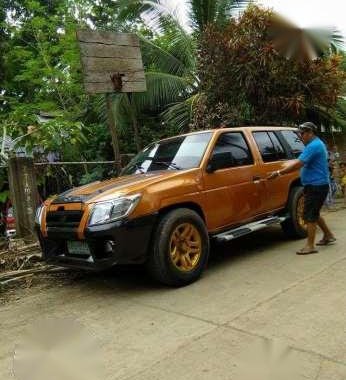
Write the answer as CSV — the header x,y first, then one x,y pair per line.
x,y
185,247
300,212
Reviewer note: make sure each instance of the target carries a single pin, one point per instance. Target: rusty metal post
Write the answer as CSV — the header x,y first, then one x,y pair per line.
x,y
24,194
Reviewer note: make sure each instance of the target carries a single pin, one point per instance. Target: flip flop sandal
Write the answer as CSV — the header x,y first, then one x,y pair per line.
x,y
304,252
326,241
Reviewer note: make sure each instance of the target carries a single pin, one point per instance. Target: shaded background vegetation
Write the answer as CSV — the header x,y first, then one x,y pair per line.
x,y
209,70
245,80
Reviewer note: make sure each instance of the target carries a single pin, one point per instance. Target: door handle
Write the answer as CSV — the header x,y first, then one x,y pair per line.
x,y
256,178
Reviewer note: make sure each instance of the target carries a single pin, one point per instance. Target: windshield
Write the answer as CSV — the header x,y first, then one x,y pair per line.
x,y
178,153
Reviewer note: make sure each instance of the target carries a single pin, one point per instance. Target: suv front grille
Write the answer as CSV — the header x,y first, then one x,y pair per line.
x,y
65,218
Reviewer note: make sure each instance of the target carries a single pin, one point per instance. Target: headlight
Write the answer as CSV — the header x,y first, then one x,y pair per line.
x,y
105,212
39,213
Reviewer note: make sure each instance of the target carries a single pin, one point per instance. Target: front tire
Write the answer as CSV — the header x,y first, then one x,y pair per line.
x,y
294,226
180,248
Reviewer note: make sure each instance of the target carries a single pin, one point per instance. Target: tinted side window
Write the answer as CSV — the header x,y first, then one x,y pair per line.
x,y
270,148
232,149
293,141
281,154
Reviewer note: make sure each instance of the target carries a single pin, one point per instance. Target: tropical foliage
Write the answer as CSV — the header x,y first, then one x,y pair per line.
x,y
170,55
245,80
201,69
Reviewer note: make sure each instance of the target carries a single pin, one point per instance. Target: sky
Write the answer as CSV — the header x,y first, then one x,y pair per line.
x,y
304,13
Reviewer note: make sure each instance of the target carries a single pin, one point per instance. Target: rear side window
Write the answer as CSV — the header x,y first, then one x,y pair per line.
x,y
269,146
293,141
233,148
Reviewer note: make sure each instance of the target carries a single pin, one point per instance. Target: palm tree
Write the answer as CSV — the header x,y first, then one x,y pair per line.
x,y
170,58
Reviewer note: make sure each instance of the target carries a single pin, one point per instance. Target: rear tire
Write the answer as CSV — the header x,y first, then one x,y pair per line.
x,y
180,248
293,227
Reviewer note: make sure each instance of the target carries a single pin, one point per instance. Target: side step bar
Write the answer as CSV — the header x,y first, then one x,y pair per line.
x,y
248,228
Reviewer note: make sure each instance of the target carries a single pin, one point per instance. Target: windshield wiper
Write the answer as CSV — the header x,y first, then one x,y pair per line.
x,y
167,164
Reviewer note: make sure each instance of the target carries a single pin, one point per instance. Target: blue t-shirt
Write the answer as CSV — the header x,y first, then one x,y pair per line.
x,y
315,159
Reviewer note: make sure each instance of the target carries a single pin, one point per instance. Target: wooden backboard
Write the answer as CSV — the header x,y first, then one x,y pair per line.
x,y
104,54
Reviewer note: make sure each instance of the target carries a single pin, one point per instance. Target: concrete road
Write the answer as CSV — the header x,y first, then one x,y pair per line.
x,y
259,306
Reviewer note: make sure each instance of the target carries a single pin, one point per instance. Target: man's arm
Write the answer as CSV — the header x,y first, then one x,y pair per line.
x,y
291,167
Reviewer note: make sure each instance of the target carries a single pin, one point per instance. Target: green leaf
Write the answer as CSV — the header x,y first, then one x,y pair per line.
x,y
4,195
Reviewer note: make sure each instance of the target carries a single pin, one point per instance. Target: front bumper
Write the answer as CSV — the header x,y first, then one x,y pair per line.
x,y
120,242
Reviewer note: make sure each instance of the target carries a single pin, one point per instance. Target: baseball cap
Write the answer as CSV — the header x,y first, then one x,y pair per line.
x,y
307,127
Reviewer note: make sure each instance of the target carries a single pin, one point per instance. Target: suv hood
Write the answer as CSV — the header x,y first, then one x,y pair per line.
x,y
112,188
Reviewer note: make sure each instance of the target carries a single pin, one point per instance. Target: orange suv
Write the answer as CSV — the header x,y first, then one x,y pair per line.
x,y
173,198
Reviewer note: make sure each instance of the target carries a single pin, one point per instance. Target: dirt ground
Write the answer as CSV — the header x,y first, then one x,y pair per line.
x,y
256,302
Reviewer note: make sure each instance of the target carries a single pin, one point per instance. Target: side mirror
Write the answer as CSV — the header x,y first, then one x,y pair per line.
x,y
220,161
210,167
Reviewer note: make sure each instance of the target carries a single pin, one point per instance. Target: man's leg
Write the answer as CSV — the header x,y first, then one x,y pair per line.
x,y
312,206
327,233
310,244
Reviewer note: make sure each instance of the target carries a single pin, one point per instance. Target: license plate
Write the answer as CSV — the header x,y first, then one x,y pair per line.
x,y
78,248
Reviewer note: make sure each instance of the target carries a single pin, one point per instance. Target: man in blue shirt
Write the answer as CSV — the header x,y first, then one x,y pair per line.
x,y
314,175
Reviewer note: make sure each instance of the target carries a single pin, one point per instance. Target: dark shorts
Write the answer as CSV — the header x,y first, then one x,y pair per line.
x,y
314,197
